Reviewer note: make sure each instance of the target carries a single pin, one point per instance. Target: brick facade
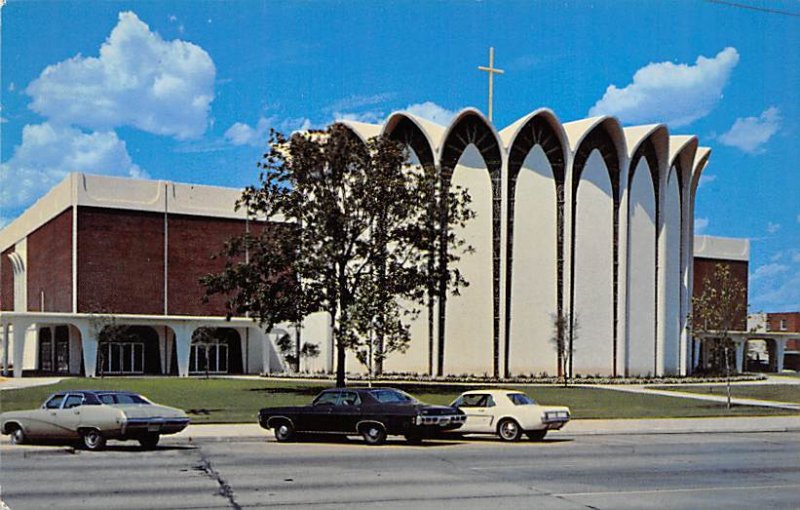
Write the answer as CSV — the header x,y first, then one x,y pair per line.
x,y
704,268
50,265
193,241
120,261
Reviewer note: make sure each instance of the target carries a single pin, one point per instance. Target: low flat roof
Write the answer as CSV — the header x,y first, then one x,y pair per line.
x,y
722,248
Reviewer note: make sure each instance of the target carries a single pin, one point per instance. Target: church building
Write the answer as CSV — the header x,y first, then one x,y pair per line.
x,y
584,219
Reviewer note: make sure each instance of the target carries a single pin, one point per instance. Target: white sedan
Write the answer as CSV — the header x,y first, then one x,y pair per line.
x,y
509,414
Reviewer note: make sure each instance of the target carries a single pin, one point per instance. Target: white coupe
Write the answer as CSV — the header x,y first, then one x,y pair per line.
x,y
509,414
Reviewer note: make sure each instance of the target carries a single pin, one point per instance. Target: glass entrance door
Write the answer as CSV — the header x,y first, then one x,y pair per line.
x,y
122,357
213,357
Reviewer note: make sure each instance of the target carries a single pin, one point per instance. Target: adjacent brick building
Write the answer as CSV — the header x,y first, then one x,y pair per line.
x,y
99,251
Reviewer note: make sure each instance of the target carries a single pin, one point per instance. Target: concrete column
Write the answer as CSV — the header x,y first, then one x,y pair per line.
x,y
168,348
162,347
18,337
696,354
740,347
780,349
265,350
6,336
183,345
89,347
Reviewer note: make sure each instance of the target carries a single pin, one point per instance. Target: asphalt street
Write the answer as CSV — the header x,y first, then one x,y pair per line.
x,y
731,471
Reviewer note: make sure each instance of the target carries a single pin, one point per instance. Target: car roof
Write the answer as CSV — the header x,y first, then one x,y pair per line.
x,y
492,391
97,392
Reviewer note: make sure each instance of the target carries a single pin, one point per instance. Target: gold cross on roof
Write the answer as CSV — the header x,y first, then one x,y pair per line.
x,y
492,71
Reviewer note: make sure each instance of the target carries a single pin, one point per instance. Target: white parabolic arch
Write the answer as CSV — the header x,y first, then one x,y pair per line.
x,y
593,259
469,316
415,359
642,273
533,286
672,266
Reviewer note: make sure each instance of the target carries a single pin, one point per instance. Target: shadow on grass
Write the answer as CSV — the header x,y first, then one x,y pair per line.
x,y
203,412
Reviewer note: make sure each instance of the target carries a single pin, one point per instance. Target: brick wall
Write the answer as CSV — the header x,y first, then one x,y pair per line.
x,y
50,265
792,321
704,268
6,281
193,241
120,261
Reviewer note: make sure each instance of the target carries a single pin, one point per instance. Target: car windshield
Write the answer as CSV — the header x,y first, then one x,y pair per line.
x,y
392,397
121,398
521,399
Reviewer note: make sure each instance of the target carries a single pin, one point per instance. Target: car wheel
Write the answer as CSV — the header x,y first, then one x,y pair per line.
x,y
149,441
509,430
374,433
93,440
18,436
536,435
284,432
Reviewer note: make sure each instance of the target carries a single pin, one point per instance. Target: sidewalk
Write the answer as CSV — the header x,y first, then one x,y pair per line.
x,y
13,383
644,390
241,431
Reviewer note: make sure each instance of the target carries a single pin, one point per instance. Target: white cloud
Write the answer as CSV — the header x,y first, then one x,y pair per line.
x,y
49,152
769,270
139,80
370,117
796,256
749,134
677,94
706,179
700,225
243,134
432,112
773,228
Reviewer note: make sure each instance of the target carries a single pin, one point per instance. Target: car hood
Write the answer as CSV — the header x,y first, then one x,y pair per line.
x,y
149,411
9,415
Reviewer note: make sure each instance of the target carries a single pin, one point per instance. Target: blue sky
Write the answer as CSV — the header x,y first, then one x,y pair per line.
x,y
186,91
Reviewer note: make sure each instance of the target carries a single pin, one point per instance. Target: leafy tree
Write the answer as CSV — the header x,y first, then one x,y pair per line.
x,y
565,333
357,235
720,309
308,352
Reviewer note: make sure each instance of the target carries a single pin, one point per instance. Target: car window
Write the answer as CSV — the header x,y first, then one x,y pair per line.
x,y
329,397
54,402
130,398
107,399
392,397
121,398
349,398
521,399
73,401
476,400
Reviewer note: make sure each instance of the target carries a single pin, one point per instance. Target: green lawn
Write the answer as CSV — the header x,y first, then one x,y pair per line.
x,y
775,392
233,401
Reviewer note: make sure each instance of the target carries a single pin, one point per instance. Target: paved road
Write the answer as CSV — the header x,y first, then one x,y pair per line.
x,y
730,471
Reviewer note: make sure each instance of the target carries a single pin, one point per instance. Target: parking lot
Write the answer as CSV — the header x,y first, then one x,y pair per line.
x,y
726,470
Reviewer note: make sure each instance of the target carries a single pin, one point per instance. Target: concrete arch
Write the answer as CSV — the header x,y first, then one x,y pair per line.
x,y
535,182
471,156
642,259
594,293
419,357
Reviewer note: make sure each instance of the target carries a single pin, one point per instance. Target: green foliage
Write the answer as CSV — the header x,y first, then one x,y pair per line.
x,y
720,309
360,229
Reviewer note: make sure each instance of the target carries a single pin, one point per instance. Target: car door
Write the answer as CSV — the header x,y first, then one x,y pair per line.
x,y
317,417
41,422
67,419
346,413
478,407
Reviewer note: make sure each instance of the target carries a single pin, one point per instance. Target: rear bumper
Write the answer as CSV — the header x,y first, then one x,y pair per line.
x,y
440,422
138,426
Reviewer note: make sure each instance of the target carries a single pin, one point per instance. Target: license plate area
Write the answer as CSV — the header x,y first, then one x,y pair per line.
x,y
153,427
